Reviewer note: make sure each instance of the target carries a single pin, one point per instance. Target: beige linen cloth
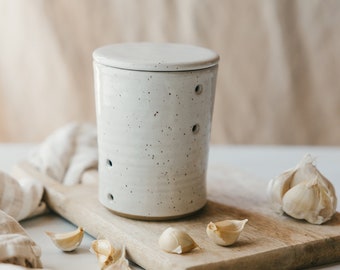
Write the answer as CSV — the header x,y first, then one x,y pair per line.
x,y
65,155
278,79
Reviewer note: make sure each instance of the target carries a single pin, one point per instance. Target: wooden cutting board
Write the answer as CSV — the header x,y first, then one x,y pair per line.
x,y
269,241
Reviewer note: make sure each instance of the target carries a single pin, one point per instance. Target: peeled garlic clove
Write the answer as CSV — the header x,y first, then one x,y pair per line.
x,y
176,241
303,193
109,258
226,232
67,241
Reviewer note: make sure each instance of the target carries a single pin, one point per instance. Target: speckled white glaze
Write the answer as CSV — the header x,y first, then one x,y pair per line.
x,y
153,129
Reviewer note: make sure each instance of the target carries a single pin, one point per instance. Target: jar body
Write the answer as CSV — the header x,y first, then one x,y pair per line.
x,y
153,140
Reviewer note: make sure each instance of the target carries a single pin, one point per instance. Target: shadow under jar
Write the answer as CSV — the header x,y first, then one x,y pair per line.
x,y
154,104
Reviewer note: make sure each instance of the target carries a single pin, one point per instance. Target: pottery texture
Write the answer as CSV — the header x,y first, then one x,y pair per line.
x,y
153,139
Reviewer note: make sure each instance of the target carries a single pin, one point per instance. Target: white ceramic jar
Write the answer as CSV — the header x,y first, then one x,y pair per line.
x,y
154,105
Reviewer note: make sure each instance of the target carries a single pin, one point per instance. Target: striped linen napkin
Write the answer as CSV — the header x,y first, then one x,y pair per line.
x,y
66,155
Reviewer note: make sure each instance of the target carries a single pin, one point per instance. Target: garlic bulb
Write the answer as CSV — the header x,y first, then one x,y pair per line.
x,y
109,258
226,232
67,241
303,193
176,241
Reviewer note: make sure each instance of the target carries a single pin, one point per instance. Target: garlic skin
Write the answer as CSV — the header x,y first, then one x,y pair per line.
x,y
109,258
226,232
67,241
303,193
176,241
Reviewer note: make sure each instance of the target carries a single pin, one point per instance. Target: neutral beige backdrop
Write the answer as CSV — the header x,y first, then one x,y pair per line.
x,y
279,73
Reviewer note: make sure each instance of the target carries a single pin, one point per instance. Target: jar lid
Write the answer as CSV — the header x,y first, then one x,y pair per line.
x,y
155,56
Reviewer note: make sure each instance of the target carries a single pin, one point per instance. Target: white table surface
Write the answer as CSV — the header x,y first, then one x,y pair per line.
x,y
264,162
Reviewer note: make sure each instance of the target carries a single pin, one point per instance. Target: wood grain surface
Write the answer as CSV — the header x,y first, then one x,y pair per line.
x,y
269,241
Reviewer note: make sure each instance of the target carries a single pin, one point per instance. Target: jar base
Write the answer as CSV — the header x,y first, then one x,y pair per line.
x,y
155,218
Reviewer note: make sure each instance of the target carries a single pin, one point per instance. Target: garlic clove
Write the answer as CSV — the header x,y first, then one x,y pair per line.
x,y
226,232
67,241
109,258
277,187
305,170
303,193
104,251
308,200
176,241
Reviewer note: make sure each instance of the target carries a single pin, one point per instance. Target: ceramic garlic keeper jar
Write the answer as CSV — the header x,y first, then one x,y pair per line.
x,y
154,106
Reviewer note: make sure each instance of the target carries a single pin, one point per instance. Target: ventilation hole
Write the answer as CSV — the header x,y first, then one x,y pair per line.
x,y
108,163
198,89
195,129
110,197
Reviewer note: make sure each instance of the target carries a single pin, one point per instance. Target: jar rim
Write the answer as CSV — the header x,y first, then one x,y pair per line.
x,y
146,56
